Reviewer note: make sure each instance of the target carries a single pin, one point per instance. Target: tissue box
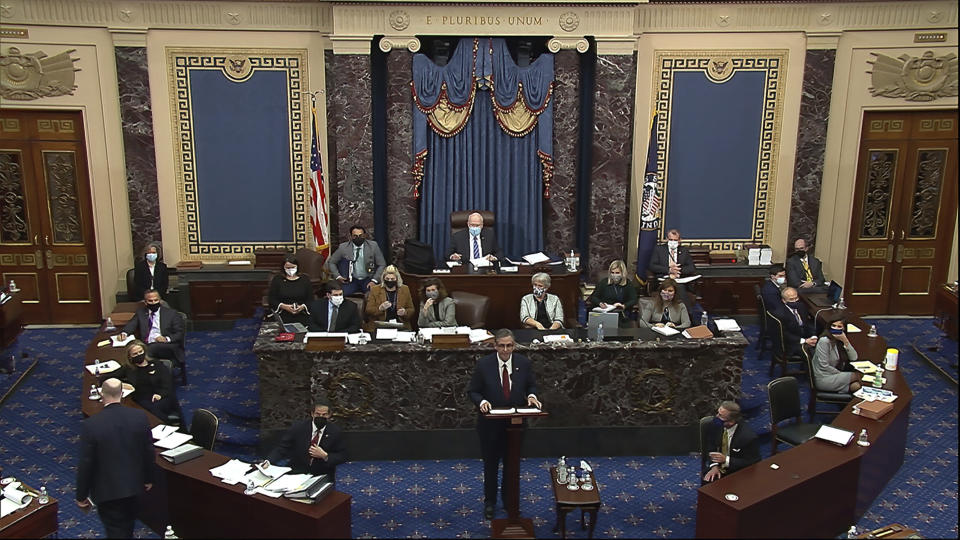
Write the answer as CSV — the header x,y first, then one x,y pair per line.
x,y
874,409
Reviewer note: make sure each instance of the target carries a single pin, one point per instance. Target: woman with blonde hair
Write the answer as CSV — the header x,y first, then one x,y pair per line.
x,y
389,300
615,292
152,382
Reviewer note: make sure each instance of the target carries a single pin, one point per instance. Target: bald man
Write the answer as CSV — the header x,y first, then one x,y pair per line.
x,y
476,242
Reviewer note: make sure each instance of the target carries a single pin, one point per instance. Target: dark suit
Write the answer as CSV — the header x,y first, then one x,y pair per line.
x,y
154,378
171,327
770,292
486,385
797,275
744,448
462,243
116,460
348,317
295,446
160,280
793,330
660,261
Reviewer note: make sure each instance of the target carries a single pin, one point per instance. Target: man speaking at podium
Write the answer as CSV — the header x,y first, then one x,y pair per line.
x,y
500,380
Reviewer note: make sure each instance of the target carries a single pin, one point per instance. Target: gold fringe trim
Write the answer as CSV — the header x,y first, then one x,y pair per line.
x,y
418,164
546,160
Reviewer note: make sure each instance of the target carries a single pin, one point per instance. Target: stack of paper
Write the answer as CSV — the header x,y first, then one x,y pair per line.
x,y
231,472
834,435
727,325
117,342
503,411
665,330
753,256
555,338
478,335
160,431
386,333
480,263
535,258
766,255
864,366
173,440
105,367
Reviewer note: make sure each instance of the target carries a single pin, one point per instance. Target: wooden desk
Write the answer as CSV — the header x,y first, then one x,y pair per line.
x,y
504,291
34,521
11,320
727,289
221,291
945,310
566,501
843,481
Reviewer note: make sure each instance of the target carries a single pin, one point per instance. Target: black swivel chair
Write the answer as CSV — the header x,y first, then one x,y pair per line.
x,y
819,396
703,433
784,396
204,427
780,356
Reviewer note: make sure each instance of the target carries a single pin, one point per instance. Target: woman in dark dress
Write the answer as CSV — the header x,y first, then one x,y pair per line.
x,y
616,291
152,382
290,293
150,272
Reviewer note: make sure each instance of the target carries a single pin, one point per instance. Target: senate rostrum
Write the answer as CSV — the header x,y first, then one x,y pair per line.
x,y
312,268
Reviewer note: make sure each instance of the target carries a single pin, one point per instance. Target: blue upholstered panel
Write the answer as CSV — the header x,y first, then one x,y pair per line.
x,y
713,150
242,141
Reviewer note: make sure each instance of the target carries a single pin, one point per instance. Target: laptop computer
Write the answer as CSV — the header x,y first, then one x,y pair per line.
x,y
610,321
293,328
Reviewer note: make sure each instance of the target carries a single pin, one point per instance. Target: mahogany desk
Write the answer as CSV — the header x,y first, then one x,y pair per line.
x,y
35,521
842,482
11,320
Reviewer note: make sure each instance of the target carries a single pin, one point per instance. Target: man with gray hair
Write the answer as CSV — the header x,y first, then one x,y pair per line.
x,y
730,445
476,242
116,462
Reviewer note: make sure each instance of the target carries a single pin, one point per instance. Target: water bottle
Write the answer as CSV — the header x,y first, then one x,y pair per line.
x,y
43,498
878,377
873,331
562,470
96,369
862,438
109,327
572,476
600,332
704,319
169,534
13,286
852,531
94,393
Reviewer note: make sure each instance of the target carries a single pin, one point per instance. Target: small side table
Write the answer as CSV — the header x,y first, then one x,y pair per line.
x,y
588,502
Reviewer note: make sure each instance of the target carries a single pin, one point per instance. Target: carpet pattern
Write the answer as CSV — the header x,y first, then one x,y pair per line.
x,y
643,496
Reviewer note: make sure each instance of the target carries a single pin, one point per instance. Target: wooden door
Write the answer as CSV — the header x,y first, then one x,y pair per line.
x,y
904,212
46,223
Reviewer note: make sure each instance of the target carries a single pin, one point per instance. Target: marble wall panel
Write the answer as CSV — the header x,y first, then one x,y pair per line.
x,y
138,146
811,143
402,207
349,134
559,211
612,152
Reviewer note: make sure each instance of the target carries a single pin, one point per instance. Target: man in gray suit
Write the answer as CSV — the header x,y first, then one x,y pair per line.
x,y
804,271
357,263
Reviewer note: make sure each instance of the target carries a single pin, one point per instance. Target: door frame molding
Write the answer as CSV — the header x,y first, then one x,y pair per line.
x,y
851,99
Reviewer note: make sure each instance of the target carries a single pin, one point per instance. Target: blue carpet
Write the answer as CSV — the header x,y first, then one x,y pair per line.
x,y
643,496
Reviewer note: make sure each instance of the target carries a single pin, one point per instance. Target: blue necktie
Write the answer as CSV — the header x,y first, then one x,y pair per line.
x,y
476,247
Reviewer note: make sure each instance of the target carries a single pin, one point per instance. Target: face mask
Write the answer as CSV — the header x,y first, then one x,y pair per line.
x,y
794,305
836,331
672,244
153,307
717,422
336,300
475,231
320,422
615,277
358,241
291,271
390,283
538,291
138,358
433,294
800,252
666,296
781,280
152,257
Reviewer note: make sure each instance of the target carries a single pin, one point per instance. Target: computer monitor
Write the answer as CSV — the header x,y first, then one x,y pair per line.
x,y
610,321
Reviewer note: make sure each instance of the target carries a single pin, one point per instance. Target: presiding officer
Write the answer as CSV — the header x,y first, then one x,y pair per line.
x,y
476,242
503,379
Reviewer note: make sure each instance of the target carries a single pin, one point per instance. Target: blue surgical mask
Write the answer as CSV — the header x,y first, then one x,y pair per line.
x,y
717,422
836,331
475,231
152,257
781,280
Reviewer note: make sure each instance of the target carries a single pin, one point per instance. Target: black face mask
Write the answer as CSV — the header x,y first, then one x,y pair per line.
x,y
154,307
320,422
138,358
390,284
794,305
358,241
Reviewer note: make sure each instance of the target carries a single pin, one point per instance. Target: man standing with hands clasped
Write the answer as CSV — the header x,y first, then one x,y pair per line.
x,y
500,380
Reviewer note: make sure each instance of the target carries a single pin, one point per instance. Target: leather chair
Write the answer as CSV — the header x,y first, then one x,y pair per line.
x,y
764,341
784,396
458,219
311,262
203,427
702,433
819,396
471,308
779,356
132,286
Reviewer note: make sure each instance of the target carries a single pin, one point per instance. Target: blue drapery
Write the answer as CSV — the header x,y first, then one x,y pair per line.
x,y
477,151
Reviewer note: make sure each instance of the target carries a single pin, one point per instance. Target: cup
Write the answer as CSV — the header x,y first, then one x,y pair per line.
x,y
893,356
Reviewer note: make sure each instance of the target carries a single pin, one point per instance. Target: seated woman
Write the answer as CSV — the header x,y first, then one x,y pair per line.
x,y
829,359
152,382
666,309
150,272
438,309
616,291
540,309
290,293
390,300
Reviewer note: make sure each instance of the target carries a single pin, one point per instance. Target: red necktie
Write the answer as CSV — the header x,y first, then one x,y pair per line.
x,y
505,381
313,442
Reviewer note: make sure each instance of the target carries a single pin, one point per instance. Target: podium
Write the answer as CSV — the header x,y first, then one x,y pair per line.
x,y
513,526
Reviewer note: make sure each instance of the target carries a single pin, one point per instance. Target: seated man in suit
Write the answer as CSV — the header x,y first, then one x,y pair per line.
x,y
160,327
313,446
730,445
771,288
476,242
332,313
804,271
357,277
798,326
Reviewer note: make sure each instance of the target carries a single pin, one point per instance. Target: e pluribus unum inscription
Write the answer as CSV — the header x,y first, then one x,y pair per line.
x,y
485,20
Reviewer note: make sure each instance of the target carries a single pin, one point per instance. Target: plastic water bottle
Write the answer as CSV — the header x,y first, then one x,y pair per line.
x,y
169,534
600,332
94,393
862,438
852,531
109,327
13,286
878,377
562,470
704,319
43,498
96,369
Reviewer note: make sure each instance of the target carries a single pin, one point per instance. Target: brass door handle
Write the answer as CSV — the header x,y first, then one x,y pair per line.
x,y
39,259
36,239
50,259
46,239
902,234
889,253
900,254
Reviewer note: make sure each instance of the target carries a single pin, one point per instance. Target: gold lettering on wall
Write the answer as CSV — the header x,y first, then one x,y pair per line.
x,y
484,20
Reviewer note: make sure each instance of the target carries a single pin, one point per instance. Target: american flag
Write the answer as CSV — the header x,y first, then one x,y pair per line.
x,y
318,193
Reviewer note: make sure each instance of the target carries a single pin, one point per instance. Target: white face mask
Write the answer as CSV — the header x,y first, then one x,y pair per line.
x,y
672,244
152,257
291,271
616,277
336,300
781,280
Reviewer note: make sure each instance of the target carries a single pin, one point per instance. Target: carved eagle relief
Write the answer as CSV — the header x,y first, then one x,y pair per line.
x,y
923,78
36,75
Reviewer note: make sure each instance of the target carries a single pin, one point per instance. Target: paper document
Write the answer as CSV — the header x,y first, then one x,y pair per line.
x,y
516,263
868,378
272,471
585,466
403,337
103,343
160,431
231,472
535,258
239,263
173,440
117,342
289,482
13,499
607,309
556,337
528,410
727,325
465,330
354,339
687,279
480,263
105,367
386,333
868,393
503,411
453,264
851,329
665,330
509,269
834,435
864,366
478,335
